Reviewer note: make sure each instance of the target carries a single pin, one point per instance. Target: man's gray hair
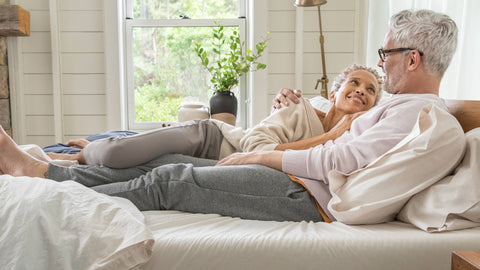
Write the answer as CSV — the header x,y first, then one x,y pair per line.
x,y
337,82
432,33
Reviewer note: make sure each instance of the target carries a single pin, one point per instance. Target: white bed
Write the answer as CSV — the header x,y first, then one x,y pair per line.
x,y
199,241
50,225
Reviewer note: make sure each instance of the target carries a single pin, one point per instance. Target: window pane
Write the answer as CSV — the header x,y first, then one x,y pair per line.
x,y
167,72
193,9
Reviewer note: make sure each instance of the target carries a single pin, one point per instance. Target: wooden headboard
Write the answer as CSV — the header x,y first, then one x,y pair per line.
x,y
467,112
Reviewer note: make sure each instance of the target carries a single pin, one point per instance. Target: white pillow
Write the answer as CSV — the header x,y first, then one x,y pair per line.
x,y
377,192
320,103
454,202
50,225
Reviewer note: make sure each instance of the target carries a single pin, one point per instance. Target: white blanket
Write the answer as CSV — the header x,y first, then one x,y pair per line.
x,y
49,225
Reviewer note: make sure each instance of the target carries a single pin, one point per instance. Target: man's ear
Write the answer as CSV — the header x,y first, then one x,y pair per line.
x,y
332,96
414,60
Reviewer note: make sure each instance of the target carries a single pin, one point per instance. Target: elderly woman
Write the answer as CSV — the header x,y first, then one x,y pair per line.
x,y
298,127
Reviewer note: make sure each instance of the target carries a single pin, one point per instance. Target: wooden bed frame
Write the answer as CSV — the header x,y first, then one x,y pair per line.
x,y
467,112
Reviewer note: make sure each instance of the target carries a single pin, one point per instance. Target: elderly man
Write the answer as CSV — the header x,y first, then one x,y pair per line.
x,y
416,52
414,57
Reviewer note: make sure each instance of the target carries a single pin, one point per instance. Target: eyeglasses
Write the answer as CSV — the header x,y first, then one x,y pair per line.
x,y
383,53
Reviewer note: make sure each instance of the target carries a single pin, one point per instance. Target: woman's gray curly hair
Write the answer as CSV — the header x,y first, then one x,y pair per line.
x,y
337,82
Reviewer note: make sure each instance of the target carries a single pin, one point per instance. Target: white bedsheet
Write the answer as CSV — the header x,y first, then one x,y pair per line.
x,y
201,241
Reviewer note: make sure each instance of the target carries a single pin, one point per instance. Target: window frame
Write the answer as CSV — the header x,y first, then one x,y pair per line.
x,y
129,93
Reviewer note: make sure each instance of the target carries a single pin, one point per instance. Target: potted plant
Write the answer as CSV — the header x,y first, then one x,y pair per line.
x,y
226,69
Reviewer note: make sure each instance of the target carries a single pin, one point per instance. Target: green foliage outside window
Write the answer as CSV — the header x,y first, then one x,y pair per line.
x,y
167,70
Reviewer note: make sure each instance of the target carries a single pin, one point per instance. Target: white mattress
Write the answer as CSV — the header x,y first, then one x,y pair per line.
x,y
199,241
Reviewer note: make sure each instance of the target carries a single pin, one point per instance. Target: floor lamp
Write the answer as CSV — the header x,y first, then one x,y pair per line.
x,y
324,79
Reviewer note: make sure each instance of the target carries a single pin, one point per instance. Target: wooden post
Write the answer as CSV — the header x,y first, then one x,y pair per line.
x,y
14,21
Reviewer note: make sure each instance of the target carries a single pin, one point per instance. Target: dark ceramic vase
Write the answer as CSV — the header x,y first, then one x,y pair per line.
x,y
223,102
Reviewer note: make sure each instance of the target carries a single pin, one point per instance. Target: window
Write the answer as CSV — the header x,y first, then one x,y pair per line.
x,y
163,70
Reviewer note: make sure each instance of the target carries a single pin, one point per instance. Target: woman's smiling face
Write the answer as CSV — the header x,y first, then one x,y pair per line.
x,y
357,93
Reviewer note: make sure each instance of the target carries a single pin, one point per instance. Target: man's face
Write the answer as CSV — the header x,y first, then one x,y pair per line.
x,y
394,67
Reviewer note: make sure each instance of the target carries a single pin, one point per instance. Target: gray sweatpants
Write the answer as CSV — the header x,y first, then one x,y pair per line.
x,y
197,138
185,183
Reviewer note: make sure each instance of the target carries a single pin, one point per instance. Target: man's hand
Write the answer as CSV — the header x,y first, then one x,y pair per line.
x,y
272,159
281,98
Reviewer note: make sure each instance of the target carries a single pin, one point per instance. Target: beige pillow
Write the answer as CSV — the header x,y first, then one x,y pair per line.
x,y
454,202
377,192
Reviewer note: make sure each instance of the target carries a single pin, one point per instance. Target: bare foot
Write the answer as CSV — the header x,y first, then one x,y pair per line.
x,y
16,162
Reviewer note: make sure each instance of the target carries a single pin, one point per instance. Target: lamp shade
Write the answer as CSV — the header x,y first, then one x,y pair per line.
x,y
309,3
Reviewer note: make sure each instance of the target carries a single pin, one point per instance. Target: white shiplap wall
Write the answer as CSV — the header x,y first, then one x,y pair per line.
x,y
343,31
35,76
80,80
82,67
80,40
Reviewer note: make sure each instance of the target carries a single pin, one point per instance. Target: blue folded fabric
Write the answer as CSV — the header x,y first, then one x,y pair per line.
x,y
62,148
